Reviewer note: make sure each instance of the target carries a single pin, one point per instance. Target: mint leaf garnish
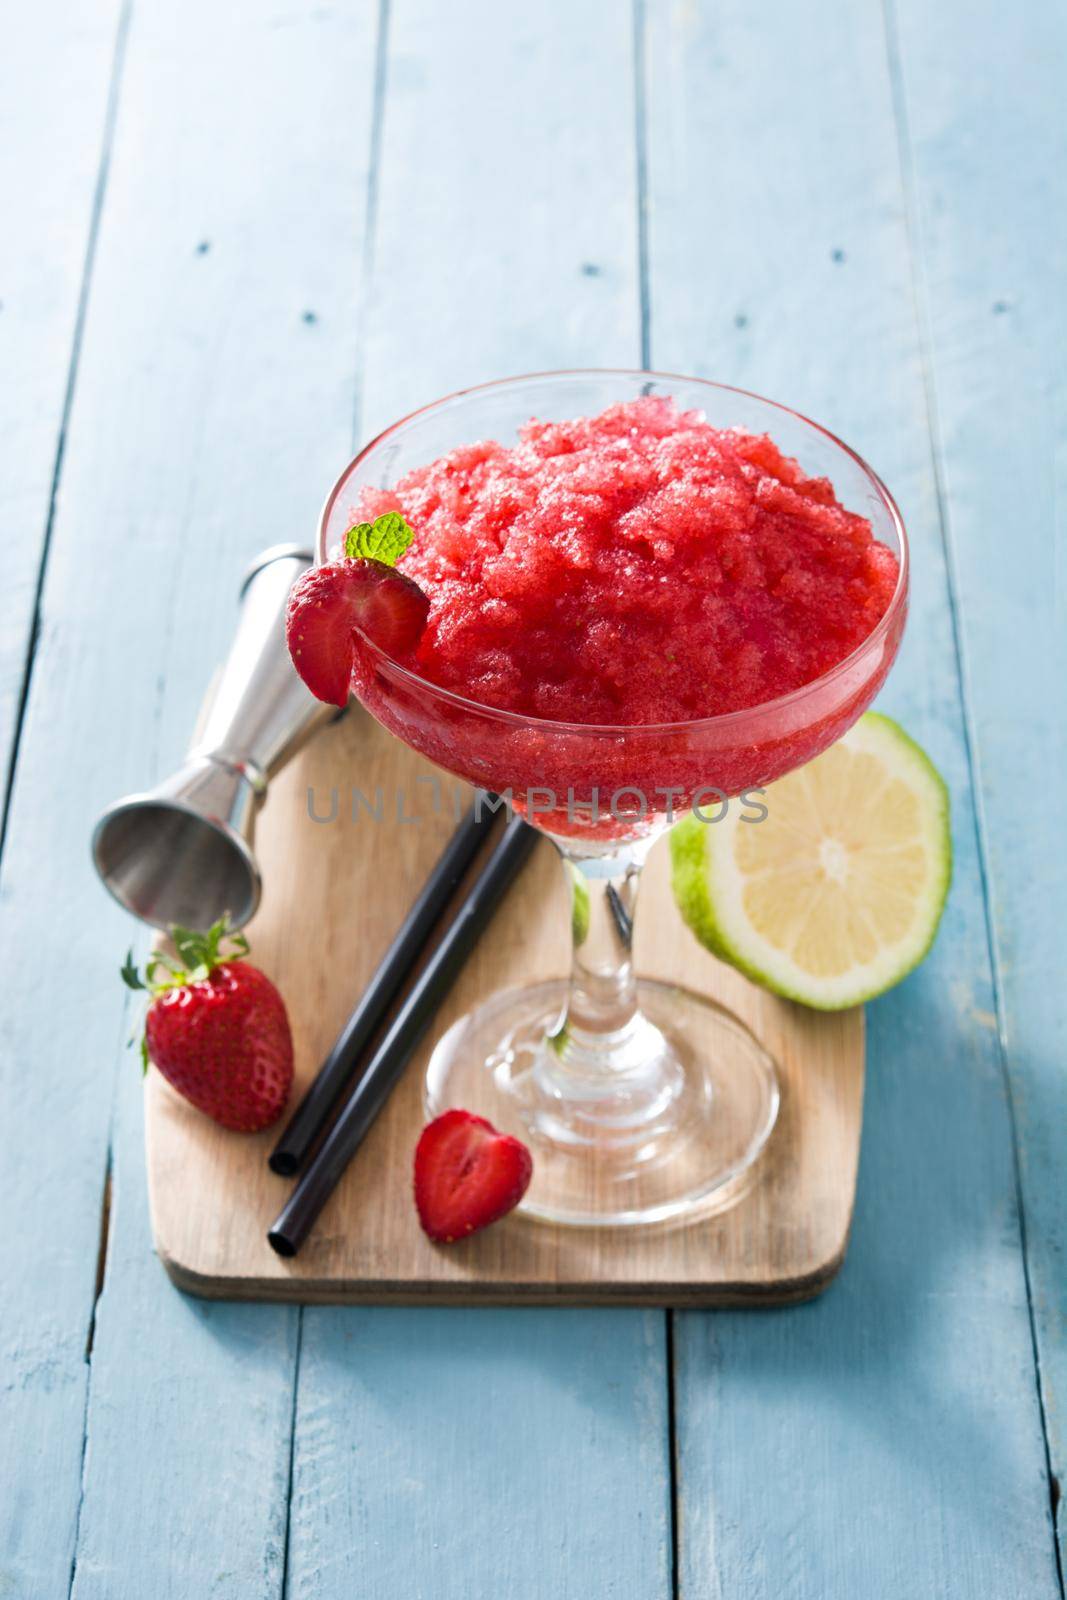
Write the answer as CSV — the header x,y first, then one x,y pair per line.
x,y
385,539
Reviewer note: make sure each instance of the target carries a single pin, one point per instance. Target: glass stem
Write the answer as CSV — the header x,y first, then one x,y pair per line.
x,y
603,1056
603,990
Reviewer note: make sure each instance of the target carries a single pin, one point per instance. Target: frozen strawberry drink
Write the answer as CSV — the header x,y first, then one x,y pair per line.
x,y
635,569
639,566
611,596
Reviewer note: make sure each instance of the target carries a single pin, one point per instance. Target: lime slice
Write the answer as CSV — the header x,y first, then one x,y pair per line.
x,y
836,895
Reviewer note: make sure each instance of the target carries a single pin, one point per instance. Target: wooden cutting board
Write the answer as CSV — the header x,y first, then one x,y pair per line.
x,y
335,893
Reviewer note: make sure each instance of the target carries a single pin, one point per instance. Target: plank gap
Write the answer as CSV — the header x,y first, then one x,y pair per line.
x,y
370,213
98,1286
34,631
641,156
673,1474
1020,1204
101,1255
292,1451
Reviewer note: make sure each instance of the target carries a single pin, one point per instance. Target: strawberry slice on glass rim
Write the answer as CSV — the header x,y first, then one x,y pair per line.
x,y
331,605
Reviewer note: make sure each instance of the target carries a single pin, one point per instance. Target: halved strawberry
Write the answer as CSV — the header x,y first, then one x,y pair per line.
x,y
328,603
467,1175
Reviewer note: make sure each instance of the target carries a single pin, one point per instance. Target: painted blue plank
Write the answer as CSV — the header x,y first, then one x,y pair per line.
x,y
56,69
186,1474
460,1453
988,150
214,397
50,181
886,1440
514,1452
506,232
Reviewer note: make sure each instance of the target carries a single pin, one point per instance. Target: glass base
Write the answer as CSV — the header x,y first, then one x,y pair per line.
x,y
627,1158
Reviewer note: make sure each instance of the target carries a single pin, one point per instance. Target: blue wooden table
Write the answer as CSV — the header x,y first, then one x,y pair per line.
x,y
236,238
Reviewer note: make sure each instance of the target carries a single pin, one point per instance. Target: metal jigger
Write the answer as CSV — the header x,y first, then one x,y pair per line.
x,y
182,852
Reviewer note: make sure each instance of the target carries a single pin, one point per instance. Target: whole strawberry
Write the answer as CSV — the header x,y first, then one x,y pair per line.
x,y
216,1028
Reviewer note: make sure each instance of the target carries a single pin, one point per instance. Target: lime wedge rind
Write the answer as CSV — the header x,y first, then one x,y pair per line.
x,y
710,886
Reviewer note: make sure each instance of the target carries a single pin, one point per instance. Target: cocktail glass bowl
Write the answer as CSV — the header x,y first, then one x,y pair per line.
x,y
641,1102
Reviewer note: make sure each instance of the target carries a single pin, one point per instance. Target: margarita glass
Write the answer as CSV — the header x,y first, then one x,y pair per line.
x,y
641,1102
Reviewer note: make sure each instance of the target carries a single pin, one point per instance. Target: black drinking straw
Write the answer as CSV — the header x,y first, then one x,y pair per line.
x,y
370,1093
341,1065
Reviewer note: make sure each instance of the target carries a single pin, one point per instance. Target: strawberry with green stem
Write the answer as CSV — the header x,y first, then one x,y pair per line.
x,y
216,1028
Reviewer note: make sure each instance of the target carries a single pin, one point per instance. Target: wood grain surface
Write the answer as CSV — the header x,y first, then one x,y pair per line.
x,y
336,891
236,240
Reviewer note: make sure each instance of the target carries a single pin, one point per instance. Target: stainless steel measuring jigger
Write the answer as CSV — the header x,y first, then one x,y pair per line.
x,y
182,852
